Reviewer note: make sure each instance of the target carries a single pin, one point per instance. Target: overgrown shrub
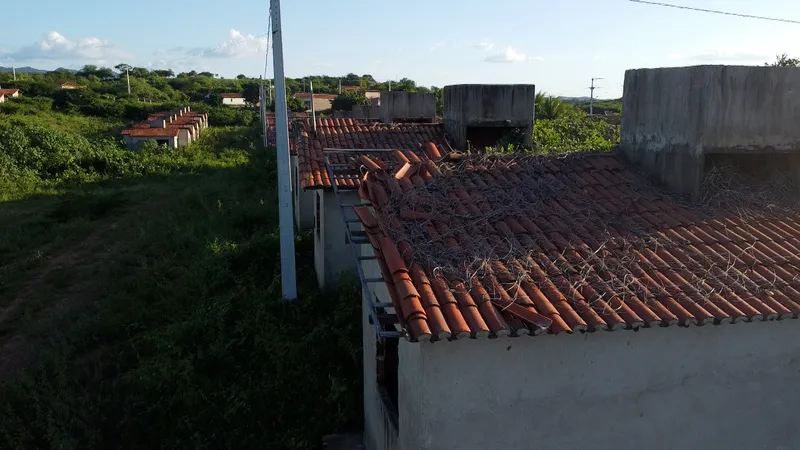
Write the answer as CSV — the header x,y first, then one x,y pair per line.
x,y
574,134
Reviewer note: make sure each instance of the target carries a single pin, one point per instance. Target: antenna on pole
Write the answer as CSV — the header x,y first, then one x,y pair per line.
x,y
591,95
288,278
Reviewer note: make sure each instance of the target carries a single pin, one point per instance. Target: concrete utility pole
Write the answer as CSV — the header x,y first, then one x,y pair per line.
x,y
340,85
13,69
288,276
313,110
262,103
591,95
128,75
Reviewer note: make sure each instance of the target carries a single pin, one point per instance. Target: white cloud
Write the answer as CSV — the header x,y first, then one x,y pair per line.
x,y
237,45
599,57
55,46
509,55
485,46
436,46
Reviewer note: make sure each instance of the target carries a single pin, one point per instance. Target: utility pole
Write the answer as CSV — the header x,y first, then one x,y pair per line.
x,y
313,110
340,85
288,278
263,108
591,95
269,87
128,75
13,69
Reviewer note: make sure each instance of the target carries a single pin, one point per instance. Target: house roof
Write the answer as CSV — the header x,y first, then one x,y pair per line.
x,y
526,245
69,84
231,95
9,91
319,96
152,132
356,134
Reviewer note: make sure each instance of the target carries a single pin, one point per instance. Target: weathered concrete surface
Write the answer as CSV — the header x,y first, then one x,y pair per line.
x,y
407,105
673,117
711,387
303,199
332,253
488,105
380,427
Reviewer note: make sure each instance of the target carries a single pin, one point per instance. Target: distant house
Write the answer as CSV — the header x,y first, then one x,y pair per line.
x,y
70,85
2,98
232,99
321,101
10,93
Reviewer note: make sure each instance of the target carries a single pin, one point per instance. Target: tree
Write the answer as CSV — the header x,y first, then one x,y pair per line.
x,y
251,93
346,101
241,76
783,60
165,73
549,107
121,68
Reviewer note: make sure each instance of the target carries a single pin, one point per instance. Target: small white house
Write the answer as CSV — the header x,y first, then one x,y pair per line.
x,y
233,99
2,98
10,93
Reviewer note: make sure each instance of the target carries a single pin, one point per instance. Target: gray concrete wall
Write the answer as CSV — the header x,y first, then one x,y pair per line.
x,y
380,431
673,117
332,254
488,105
303,199
366,112
712,387
407,105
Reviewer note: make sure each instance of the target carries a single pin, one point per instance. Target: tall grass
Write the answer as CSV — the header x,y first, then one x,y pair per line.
x,y
171,331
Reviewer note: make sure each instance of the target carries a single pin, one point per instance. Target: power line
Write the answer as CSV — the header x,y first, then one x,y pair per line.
x,y
266,59
714,11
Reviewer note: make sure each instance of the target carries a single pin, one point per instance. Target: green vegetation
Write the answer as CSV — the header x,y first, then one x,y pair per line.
x,y
563,127
140,303
346,101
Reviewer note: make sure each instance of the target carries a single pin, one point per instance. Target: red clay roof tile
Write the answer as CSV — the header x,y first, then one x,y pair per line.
x,y
525,245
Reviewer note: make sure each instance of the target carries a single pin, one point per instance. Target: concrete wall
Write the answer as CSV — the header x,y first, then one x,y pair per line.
x,y
133,142
488,105
2,98
380,427
732,386
332,254
233,101
366,112
407,105
303,199
673,117
184,137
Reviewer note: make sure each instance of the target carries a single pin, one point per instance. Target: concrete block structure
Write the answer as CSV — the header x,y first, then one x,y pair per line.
x,y
233,99
321,102
399,105
677,121
479,115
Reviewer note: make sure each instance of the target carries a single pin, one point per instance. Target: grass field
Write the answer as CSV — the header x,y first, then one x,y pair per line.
x,y
145,312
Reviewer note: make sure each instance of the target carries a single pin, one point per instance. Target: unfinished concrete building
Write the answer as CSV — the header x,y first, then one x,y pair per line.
x,y
399,106
174,129
680,122
480,115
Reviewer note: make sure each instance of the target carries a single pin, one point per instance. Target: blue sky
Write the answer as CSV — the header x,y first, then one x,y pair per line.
x,y
557,45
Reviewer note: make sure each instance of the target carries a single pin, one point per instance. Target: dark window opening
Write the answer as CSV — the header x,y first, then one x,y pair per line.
x,y
481,137
387,359
163,142
317,213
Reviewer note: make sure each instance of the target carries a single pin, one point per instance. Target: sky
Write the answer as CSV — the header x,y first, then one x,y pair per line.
x,y
556,45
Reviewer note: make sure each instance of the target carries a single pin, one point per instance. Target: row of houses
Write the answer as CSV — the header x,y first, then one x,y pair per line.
x,y
173,129
487,280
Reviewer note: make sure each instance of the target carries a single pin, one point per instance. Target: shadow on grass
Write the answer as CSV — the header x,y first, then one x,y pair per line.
x,y
183,339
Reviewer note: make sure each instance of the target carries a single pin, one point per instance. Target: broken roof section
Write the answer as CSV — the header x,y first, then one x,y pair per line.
x,y
525,245
365,135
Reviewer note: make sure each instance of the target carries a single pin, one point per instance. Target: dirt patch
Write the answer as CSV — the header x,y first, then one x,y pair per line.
x,y
79,258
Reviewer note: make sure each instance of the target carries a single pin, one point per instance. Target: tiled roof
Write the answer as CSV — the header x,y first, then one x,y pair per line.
x,y
358,134
9,92
319,96
231,95
525,245
152,132
293,117
69,84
